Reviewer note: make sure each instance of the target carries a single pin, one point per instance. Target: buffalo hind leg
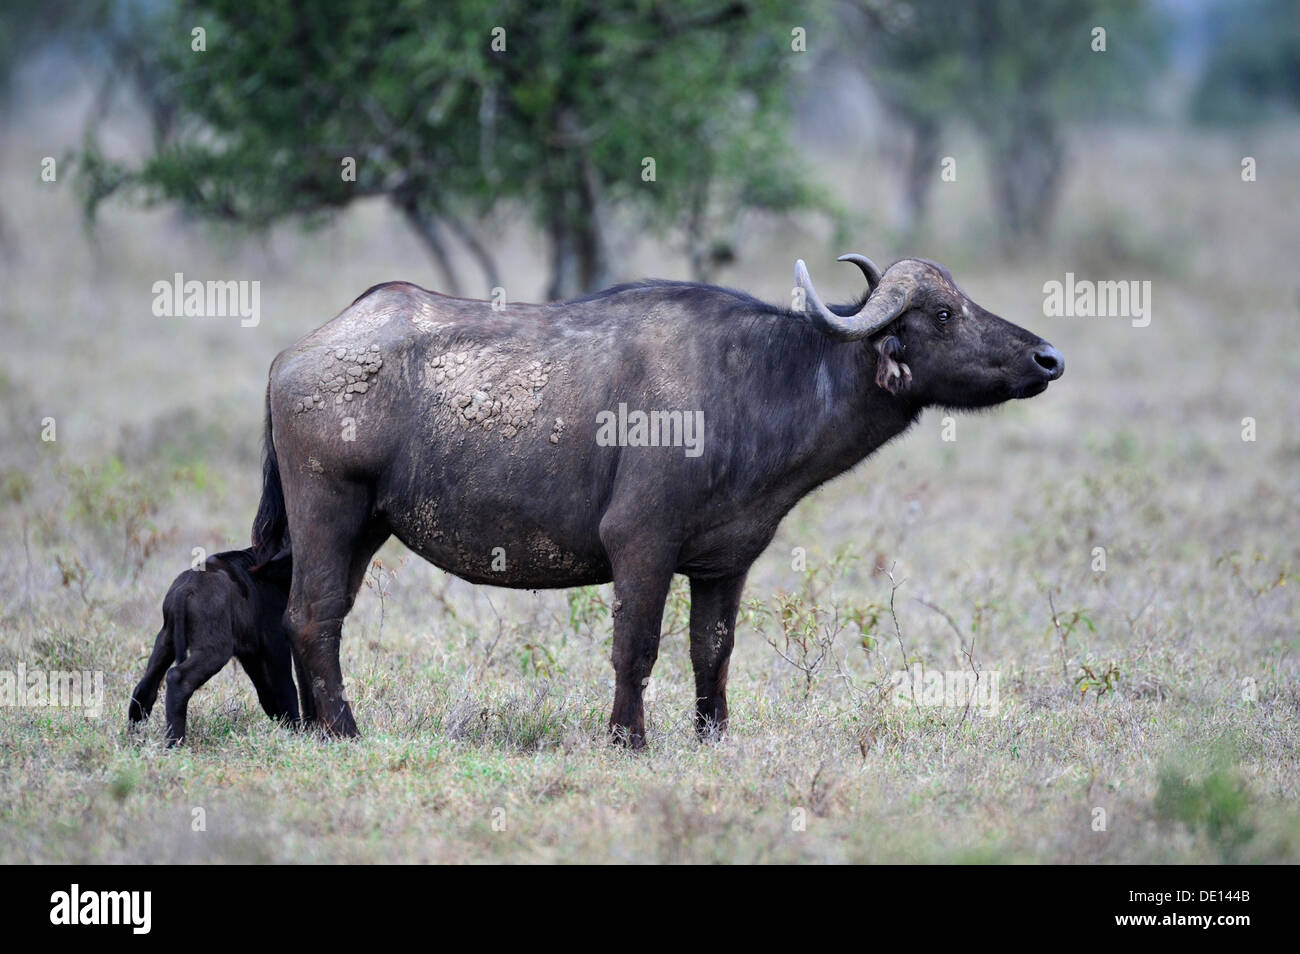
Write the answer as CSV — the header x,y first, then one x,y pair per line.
x,y
714,604
317,633
306,698
642,574
331,554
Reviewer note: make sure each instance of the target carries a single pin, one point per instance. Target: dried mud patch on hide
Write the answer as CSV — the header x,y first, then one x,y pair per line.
x,y
346,374
487,389
549,554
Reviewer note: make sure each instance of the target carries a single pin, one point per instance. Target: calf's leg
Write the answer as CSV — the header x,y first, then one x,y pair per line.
x,y
280,670
145,693
267,675
182,682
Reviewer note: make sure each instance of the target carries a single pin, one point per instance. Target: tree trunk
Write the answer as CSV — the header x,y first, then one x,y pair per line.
x,y
579,254
696,239
481,255
1026,159
579,260
920,171
426,227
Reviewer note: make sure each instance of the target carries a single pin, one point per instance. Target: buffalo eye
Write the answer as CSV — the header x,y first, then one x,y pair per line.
x,y
943,314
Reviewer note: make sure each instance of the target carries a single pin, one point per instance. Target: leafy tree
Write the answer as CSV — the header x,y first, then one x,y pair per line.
x,y
455,109
1254,68
1016,71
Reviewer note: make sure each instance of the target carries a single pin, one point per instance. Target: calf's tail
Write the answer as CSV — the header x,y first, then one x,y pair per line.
x,y
178,621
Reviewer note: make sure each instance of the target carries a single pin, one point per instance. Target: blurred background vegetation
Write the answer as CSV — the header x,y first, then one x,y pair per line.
x,y
555,115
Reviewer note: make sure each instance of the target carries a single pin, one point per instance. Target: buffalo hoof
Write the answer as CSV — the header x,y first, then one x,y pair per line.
x,y
341,725
627,737
709,729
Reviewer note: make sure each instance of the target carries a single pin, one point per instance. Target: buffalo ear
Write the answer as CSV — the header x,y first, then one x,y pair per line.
x,y
891,373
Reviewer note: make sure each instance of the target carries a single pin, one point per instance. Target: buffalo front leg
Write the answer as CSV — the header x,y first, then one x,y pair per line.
x,y
641,580
714,604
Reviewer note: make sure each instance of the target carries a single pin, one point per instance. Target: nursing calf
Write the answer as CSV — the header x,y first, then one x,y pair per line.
x,y
233,608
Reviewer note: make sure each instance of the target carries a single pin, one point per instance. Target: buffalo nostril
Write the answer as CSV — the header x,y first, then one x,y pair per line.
x,y
1050,360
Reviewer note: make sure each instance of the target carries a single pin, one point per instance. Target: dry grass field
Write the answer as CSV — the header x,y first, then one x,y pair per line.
x,y
1155,721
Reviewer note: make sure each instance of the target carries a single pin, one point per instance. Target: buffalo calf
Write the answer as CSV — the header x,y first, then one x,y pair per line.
x,y
234,607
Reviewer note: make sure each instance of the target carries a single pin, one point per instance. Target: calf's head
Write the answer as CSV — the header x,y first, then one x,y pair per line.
x,y
931,342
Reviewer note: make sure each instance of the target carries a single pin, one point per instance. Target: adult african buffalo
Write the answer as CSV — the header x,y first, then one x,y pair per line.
x,y
549,445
